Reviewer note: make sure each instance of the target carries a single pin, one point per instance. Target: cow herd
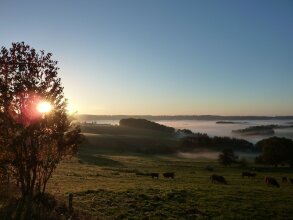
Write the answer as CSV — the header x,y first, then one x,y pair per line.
x,y
220,179
270,181
273,182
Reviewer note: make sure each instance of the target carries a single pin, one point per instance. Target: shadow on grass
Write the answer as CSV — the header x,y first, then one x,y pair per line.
x,y
99,160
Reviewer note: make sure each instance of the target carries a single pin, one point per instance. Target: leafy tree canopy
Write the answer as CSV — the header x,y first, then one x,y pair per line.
x,y
276,150
227,157
32,143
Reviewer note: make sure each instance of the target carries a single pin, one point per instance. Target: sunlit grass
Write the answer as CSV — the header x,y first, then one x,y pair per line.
x,y
114,190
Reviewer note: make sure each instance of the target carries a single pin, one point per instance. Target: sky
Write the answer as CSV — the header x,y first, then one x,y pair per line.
x,y
163,57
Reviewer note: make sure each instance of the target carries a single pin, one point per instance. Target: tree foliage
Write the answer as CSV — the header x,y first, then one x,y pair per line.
x,y
203,141
276,150
31,143
227,157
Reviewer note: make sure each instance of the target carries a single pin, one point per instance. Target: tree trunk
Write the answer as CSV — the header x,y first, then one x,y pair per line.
x,y
27,209
24,208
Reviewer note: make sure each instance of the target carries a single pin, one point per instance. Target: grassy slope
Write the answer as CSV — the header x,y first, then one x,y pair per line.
x,y
112,190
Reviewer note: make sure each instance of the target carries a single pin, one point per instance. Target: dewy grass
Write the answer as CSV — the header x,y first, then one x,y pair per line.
x,y
111,192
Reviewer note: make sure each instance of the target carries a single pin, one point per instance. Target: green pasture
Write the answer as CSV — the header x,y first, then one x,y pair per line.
x,y
111,189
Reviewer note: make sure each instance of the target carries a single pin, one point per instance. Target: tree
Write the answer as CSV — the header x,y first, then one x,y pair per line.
x,y
227,157
276,150
32,143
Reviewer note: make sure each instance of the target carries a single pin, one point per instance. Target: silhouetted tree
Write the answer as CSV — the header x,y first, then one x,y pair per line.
x,y
200,141
227,157
32,143
276,150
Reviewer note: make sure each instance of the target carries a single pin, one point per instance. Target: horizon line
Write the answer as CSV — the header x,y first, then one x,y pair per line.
x,y
186,115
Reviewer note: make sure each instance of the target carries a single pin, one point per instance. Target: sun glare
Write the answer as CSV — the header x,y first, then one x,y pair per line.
x,y
44,107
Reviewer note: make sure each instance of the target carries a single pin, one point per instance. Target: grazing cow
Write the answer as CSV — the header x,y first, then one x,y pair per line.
x,y
271,181
248,174
218,179
155,175
169,175
284,179
291,180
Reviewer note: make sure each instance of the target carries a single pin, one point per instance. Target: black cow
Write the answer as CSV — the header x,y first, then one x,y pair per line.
x,y
271,181
248,174
218,179
169,175
154,175
291,180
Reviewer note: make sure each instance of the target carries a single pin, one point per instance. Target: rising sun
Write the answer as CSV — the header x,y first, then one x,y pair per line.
x,y
44,107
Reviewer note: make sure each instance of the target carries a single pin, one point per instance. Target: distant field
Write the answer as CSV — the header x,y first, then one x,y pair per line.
x,y
107,186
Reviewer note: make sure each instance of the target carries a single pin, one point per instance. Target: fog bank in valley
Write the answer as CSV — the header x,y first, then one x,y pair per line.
x,y
213,155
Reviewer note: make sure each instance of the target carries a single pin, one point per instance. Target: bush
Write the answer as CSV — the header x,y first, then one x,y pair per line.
x,y
227,157
43,207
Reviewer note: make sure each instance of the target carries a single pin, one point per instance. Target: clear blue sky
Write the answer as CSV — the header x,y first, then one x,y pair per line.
x,y
163,56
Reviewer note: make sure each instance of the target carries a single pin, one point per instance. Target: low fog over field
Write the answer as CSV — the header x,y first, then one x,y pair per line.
x,y
211,128
214,155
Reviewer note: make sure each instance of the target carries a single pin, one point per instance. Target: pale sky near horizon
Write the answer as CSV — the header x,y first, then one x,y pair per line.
x,y
163,57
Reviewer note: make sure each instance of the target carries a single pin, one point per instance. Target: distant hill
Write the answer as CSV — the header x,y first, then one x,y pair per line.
x,y
145,124
230,122
257,130
83,117
261,130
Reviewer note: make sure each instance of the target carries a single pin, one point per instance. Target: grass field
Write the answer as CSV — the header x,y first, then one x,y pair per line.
x,y
103,179
107,187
